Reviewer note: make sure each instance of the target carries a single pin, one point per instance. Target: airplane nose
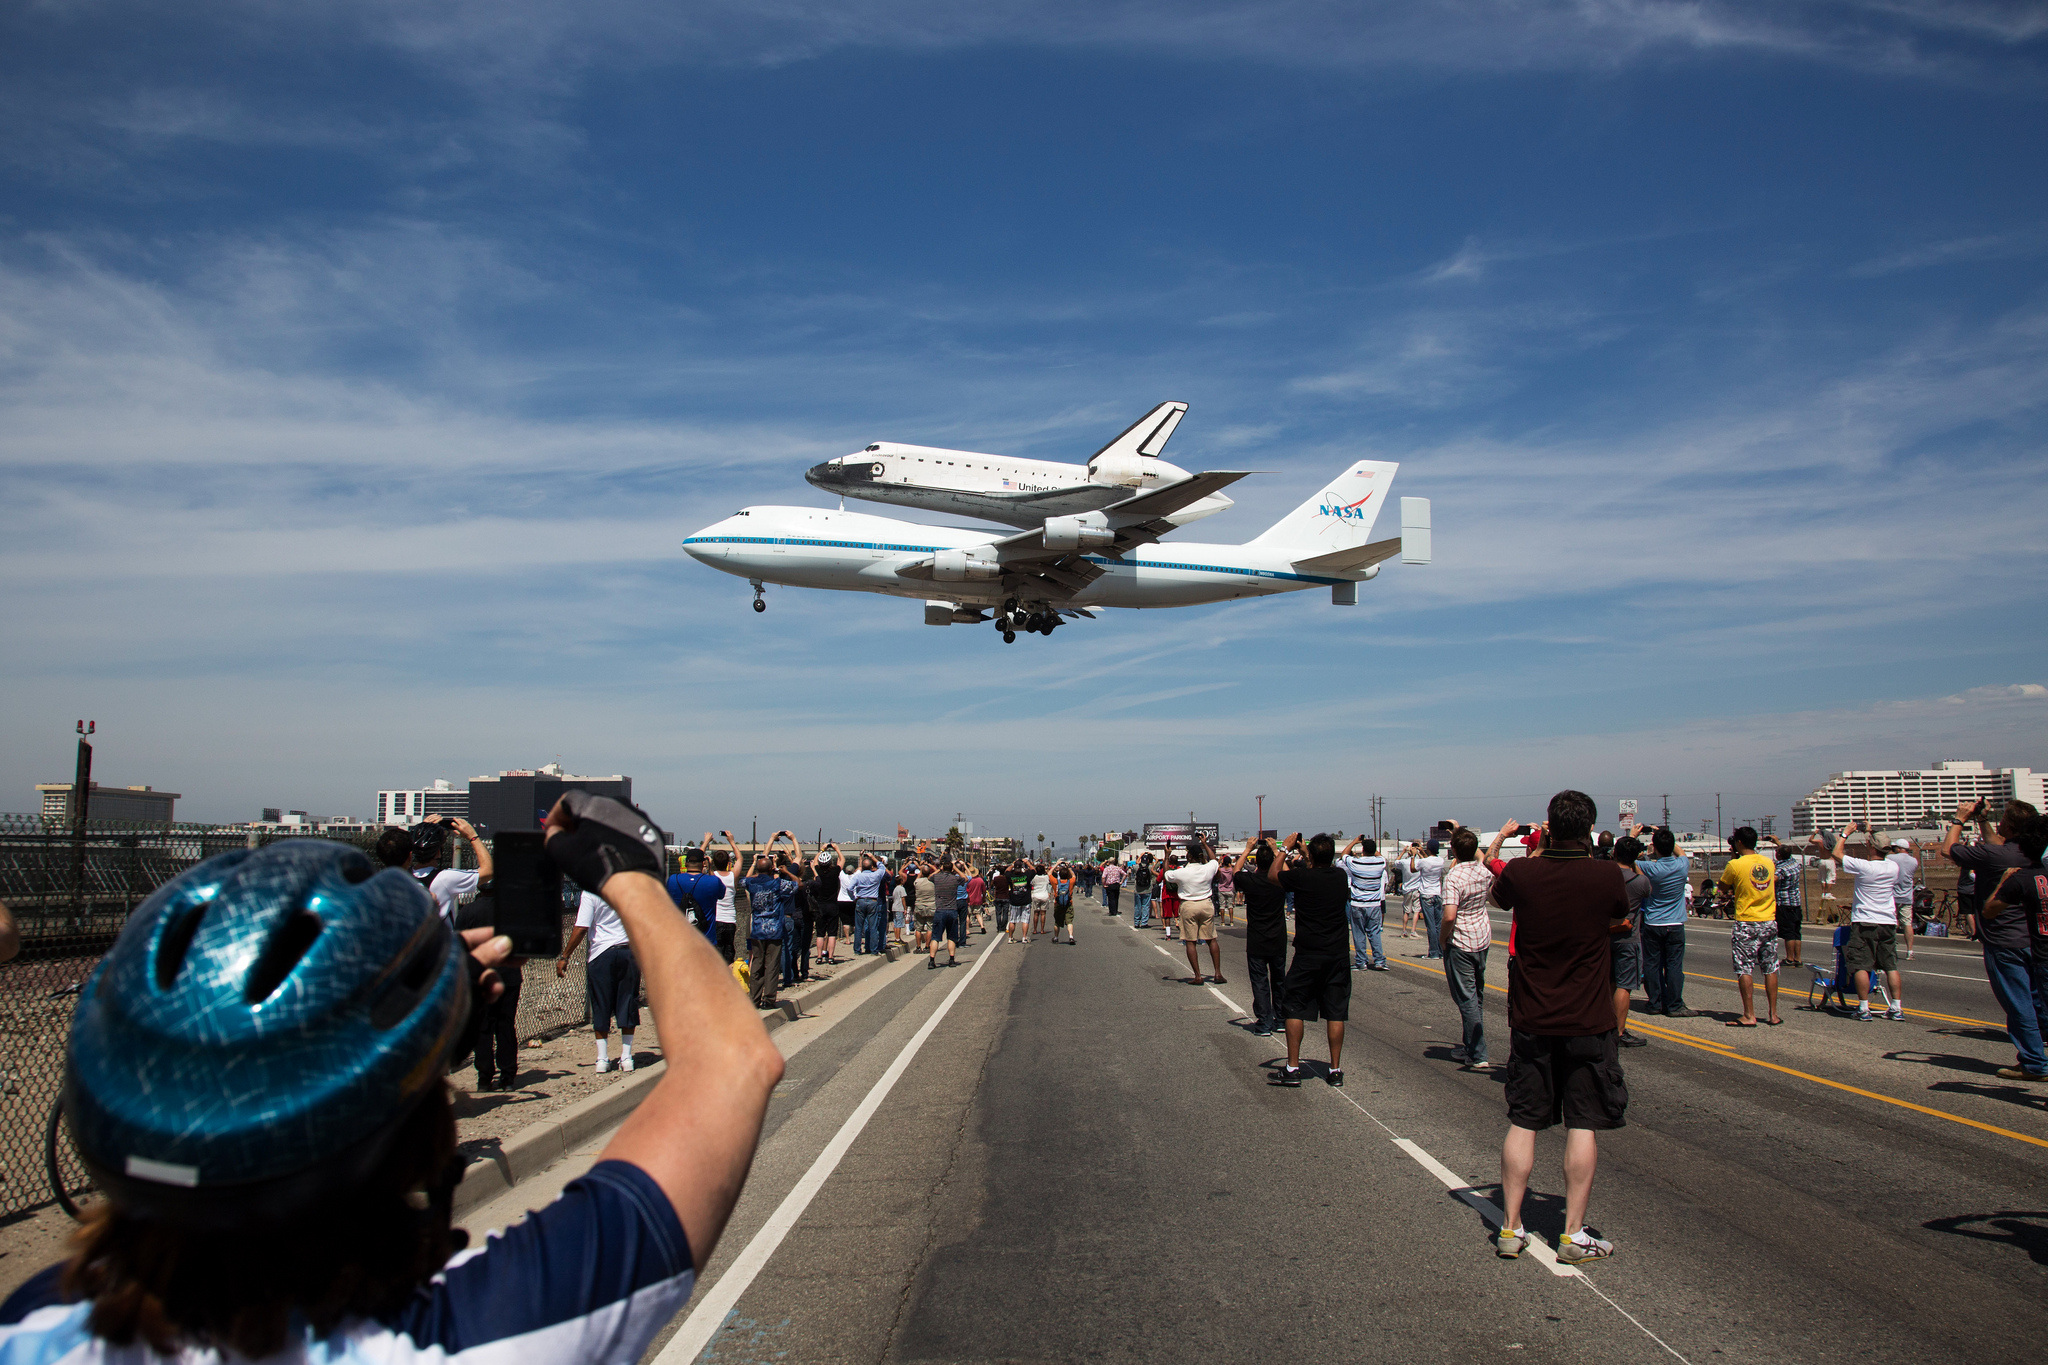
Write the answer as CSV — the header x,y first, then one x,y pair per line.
x,y
837,473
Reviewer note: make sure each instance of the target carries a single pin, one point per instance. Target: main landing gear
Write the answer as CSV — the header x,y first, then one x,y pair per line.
x,y
759,604
1011,619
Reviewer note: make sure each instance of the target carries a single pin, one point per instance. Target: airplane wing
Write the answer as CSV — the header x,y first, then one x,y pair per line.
x,y
1059,569
1353,560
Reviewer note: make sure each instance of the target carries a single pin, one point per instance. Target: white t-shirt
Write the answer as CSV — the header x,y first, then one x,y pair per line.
x,y
1902,889
449,886
1193,881
1041,887
1429,874
726,913
1874,881
595,914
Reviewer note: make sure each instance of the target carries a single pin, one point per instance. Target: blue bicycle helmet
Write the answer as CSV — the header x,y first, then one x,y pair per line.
x,y
259,1030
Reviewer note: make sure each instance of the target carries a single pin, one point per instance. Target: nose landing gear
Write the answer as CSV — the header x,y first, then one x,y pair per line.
x,y
759,603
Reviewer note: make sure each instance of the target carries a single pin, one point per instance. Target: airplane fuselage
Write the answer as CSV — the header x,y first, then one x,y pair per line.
x,y
816,548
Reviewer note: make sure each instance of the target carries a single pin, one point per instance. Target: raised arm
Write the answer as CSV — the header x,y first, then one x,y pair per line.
x,y
695,1133
1511,828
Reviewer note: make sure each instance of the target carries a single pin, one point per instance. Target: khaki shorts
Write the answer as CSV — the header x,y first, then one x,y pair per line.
x,y
1197,921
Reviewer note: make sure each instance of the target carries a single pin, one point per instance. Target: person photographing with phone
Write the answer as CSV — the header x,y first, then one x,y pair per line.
x,y
418,850
311,1218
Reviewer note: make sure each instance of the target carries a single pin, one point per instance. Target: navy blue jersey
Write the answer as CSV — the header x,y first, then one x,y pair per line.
x,y
590,1278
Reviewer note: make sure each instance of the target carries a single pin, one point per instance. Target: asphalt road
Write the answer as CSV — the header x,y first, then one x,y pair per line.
x,y
1084,1159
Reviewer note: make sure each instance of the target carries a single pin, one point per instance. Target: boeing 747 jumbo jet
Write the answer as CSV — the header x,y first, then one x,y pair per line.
x,y
1070,566
1017,492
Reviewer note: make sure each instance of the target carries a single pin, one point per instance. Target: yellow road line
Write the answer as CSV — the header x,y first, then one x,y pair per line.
x,y
1719,1050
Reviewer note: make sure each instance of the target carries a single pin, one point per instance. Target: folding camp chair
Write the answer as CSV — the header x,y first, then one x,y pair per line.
x,y
1837,982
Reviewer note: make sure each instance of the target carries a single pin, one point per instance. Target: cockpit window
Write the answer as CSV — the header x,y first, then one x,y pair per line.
x,y
875,447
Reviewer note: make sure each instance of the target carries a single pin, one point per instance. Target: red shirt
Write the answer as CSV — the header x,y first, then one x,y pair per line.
x,y
1563,901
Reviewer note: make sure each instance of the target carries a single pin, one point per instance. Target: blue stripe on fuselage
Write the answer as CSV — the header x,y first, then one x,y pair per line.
x,y
934,549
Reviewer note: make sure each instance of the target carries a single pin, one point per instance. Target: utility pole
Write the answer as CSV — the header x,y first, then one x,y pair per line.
x,y
1718,834
1262,818
81,799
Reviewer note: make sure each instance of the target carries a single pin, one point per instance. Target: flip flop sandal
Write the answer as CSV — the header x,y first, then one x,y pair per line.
x,y
1737,1023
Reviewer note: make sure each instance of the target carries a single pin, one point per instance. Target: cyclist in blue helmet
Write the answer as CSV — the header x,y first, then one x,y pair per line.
x,y
255,1079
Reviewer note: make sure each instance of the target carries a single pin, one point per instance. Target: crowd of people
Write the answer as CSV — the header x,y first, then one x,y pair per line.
x,y
318,1199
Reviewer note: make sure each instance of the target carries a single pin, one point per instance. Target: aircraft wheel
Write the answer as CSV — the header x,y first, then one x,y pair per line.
x,y
1009,637
759,605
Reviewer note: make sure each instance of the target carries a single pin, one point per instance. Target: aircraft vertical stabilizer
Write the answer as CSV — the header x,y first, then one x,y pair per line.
x,y
1146,436
1338,518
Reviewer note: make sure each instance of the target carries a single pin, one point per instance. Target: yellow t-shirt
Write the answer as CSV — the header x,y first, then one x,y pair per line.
x,y
1753,878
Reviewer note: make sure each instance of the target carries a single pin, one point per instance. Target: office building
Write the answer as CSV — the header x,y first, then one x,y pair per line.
x,y
520,798
1921,798
122,805
410,805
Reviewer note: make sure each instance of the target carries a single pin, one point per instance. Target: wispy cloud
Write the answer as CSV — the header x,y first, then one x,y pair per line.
x,y
1998,246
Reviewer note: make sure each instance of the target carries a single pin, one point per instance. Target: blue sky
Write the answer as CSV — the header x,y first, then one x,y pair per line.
x,y
362,366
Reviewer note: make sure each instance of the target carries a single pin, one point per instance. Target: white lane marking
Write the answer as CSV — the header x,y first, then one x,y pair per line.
x,y
1486,1208
1232,1004
715,1307
1489,1210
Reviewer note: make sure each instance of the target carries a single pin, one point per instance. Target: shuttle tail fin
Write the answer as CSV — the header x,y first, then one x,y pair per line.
x,y
1146,436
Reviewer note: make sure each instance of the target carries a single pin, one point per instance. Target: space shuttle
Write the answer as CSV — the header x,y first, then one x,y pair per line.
x,y
1021,493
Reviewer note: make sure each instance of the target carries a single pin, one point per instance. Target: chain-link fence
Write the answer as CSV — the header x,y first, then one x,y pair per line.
x,y
70,897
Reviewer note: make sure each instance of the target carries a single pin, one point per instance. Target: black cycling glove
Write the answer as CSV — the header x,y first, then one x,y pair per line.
x,y
604,838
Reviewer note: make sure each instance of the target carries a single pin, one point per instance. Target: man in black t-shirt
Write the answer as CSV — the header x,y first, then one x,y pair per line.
x,y
1265,936
1562,1065
1319,982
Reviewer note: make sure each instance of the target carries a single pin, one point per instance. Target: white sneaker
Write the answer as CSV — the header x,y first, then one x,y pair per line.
x,y
626,1062
604,1064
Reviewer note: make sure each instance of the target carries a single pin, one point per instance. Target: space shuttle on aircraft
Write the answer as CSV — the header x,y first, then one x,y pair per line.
x,y
1021,493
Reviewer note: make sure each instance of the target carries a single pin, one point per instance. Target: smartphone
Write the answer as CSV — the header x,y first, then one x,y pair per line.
x,y
529,894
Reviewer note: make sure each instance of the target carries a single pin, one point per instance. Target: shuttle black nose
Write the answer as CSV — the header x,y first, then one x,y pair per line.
x,y
838,472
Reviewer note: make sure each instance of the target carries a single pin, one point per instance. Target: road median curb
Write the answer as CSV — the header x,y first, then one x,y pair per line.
x,y
542,1143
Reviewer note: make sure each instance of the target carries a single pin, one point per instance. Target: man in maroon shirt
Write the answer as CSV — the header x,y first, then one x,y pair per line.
x,y
1562,1063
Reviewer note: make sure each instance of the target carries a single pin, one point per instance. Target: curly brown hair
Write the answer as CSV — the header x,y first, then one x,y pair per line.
x,y
360,1253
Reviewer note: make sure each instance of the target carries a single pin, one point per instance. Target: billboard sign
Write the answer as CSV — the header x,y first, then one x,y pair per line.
x,y
1179,833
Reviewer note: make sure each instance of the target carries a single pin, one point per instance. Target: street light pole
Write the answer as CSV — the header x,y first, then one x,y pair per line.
x,y
81,799
1262,819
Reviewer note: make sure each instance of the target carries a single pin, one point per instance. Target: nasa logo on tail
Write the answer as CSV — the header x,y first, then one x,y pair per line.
x,y
1333,504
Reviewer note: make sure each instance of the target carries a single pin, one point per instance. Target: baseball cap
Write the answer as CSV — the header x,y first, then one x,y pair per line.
x,y
1902,843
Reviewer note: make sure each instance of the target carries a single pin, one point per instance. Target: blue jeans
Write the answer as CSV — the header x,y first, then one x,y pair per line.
x,y
1267,973
1365,919
1466,973
867,925
2011,972
1141,909
1664,967
1433,920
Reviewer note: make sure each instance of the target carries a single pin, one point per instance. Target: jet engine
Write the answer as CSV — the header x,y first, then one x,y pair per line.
x,y
1072,533
957,566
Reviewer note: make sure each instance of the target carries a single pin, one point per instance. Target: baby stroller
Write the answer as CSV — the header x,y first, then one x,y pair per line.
x,y
1835,982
